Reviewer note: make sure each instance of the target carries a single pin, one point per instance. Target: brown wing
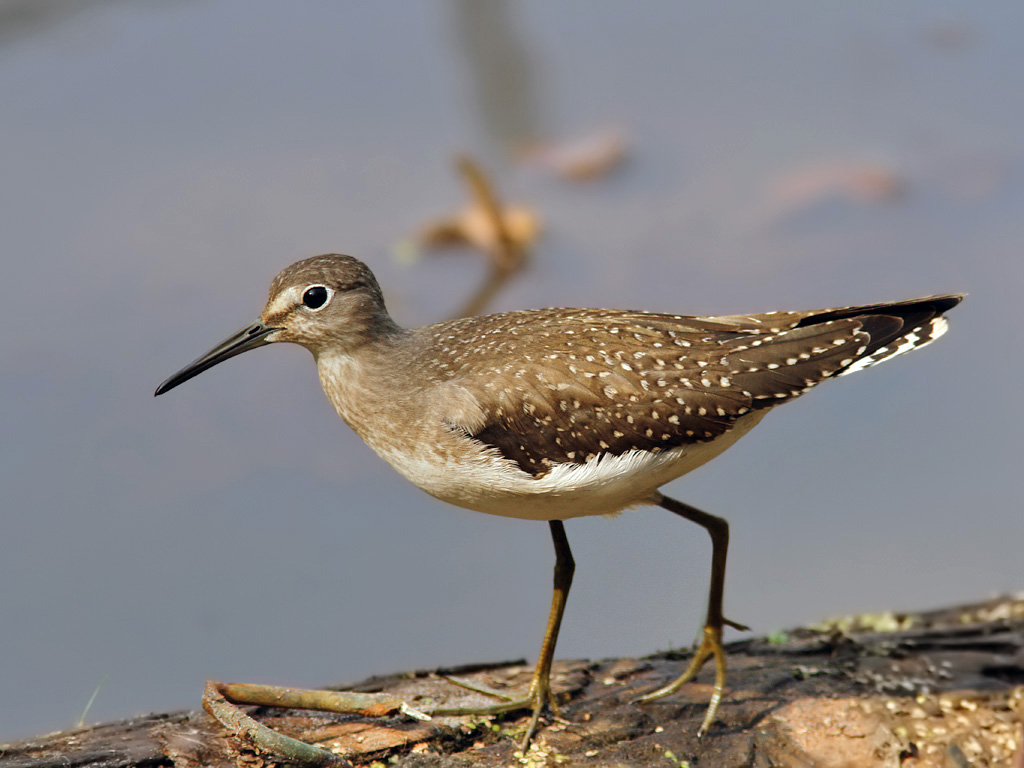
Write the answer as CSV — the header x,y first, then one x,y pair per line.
x,y
574,384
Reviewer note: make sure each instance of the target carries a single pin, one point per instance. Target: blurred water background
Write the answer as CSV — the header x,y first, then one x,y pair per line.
x,y
160,162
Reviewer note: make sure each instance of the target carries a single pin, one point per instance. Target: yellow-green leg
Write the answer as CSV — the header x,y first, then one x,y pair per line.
x,y
539,694
711,643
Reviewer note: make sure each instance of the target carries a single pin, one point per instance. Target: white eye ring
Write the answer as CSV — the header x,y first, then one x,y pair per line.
x,y
316,297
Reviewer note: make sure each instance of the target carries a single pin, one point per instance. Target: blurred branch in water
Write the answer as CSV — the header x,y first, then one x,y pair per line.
x,y
840,182
22,18
584,158
497,65
504,234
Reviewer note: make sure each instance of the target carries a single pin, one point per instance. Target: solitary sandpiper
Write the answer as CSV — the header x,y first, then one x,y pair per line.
x,y
558,413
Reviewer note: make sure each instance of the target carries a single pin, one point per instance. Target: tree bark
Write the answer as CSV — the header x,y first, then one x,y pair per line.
x,y
940,688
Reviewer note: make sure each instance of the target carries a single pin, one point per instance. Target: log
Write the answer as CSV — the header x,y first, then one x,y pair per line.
x,y
915,690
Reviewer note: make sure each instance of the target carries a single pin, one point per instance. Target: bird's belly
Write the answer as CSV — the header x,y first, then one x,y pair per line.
x,y
474,478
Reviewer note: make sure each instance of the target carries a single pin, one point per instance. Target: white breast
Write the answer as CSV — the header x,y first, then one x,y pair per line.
x,y
484,482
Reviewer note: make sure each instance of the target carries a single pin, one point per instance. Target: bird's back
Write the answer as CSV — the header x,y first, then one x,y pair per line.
x,y
568,385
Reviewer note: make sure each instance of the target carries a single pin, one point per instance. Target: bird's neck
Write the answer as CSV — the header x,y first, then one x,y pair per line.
x,y
362,382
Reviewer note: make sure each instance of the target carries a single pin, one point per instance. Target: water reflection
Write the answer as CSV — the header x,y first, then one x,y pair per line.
x,y
20,19
498,64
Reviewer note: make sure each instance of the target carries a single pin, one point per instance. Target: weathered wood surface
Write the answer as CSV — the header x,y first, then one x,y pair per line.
x,y
943,688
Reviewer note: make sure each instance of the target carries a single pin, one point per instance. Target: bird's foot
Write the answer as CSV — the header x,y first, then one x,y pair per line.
x,y
711,646
469,685
735,625
539,696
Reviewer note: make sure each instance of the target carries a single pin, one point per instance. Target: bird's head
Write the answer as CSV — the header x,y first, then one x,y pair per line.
x,y
325,302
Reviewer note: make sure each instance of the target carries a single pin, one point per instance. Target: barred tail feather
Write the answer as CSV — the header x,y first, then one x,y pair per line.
x,y
919,336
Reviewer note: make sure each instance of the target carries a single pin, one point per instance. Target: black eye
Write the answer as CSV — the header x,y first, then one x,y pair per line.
x,y
315,296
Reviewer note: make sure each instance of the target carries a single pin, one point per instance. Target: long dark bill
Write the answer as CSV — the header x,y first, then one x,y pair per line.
x,y
252,337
